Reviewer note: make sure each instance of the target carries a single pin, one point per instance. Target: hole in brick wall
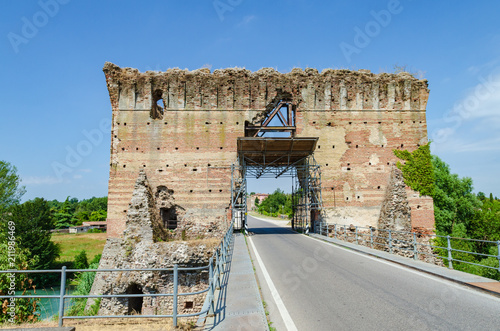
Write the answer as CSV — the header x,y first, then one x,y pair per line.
x,y
365,122
350,122
387,163
148,123
237,123
402,145
207,123
314,122
319,146
348,168
166,123
169,217
220,190
401,122
209,190
333,146
176,148
157,148
369,163
347,198
124,165
382,146
123,148
115,135
418,207
378,187
144,165
160,170
194,169
124,123
329,124
348,164
220,123
197,148
327,164
356,146
220,147
333,188
379,122
118,123
418,145
413,122
190,191
124,210
358,197
185,165
209,165
167,165
188,305
137,148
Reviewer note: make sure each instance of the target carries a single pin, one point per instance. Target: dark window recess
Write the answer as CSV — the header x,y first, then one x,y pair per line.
x,y
169,217
188,305
158,106
134,303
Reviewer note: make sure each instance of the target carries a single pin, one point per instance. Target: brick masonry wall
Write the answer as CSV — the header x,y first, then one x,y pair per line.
x,y
189,147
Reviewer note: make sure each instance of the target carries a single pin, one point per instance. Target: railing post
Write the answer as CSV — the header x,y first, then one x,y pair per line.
x,y
371,237
335,230
217,283
176,283
61,295
357,235
415,248
211,287
327,230
498,255
345,232
450,258
390,241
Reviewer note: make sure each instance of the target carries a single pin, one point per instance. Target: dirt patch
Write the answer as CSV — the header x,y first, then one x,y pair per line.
x,y
111,324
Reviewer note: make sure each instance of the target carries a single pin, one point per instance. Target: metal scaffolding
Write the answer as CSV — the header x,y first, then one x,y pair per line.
x,y
306,189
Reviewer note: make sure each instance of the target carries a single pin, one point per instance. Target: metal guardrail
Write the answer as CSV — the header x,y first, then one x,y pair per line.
x,y
215,272
392,239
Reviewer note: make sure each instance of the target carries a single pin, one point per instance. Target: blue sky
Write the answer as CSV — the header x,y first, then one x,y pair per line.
x,y
55,106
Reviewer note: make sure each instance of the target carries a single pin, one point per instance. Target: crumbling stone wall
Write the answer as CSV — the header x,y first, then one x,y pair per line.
x,y
147,244
181,127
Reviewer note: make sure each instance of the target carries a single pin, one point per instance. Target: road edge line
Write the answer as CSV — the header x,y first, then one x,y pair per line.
x,y
287,319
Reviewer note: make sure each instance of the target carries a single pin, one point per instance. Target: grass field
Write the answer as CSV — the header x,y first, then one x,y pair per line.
x,y
72,243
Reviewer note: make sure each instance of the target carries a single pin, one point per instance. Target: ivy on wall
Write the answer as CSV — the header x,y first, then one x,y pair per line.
x,y
417,169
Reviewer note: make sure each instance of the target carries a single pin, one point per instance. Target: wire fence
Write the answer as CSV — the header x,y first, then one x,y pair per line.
x,y
427,247
215,267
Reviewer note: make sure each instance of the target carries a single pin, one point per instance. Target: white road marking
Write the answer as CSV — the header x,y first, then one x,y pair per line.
x,y
290,325
404,268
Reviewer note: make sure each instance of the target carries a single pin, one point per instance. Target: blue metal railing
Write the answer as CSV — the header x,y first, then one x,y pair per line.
x,y
368,237
215,269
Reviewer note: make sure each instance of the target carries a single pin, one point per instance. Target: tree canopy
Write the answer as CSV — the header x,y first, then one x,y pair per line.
x,y
11,190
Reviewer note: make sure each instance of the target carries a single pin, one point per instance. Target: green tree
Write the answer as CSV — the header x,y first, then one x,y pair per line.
x,y
10,189
81,261
454,202
33,222
25,309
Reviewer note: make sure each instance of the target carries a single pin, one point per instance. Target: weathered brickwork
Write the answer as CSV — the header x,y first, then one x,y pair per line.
x,y
188,142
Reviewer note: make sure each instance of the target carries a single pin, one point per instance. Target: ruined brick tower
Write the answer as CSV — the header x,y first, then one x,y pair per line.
x,y
181,128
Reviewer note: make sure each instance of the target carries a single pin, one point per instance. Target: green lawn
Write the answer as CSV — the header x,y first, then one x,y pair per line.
x,y
71,244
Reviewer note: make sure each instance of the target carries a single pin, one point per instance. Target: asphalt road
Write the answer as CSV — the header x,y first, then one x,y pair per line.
x,y
326,287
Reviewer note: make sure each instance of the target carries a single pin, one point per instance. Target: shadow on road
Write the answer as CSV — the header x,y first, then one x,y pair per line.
x,y
270,230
